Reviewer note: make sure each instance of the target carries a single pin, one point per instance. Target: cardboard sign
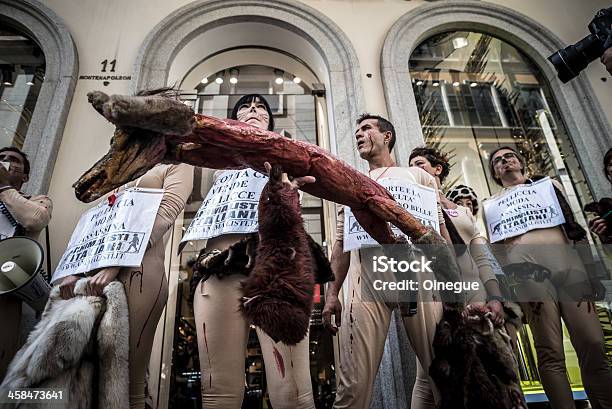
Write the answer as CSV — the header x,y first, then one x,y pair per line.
x,y
230,206
521,209
420,201
114,235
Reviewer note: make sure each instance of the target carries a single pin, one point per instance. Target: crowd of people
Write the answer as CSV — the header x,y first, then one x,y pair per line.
x,y
360,324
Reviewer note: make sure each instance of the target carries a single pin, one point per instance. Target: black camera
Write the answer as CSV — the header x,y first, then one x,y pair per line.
x,y
572,59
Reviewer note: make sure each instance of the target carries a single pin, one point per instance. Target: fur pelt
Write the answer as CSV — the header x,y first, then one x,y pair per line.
x,y
278,293
76,342
474,365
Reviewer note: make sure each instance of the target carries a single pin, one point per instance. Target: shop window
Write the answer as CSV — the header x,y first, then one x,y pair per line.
x,y
22,71
474,92
296,115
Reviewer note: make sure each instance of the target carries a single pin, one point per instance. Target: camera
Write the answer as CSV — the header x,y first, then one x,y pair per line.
x,y
574,58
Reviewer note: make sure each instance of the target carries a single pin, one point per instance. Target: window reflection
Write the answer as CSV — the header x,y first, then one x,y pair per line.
x,y
22,71
474,93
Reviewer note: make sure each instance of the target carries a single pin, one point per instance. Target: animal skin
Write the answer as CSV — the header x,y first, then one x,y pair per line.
x,y
474,365
153,129
278,292
74,340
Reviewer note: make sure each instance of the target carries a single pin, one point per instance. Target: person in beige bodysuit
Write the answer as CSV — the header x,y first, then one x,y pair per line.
x,y
223,330
544,311
146,286
32,213
474,263
365,322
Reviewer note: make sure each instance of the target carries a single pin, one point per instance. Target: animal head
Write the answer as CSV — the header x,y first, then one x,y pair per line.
x,y
132,153
279,205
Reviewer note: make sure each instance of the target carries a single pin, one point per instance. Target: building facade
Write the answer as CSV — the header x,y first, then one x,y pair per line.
x,y
465,75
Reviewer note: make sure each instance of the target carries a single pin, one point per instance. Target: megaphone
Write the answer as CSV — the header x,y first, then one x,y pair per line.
x,y
21,272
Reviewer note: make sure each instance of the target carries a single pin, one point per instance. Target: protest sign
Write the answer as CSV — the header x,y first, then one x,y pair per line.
x,y
521,209
420,201
112,235
229,207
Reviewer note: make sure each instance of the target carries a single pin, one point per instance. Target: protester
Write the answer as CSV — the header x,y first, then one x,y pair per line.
x,y
146,286
465,196
547,300
474,262
363,323
222,328
24,215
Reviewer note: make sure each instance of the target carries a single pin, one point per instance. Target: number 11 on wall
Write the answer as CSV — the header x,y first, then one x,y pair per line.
x,y
105,64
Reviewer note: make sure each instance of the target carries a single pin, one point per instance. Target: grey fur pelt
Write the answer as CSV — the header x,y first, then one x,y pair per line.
x,y
71,339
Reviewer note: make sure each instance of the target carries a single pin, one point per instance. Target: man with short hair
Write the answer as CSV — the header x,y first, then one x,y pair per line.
x,y
365,323
548,302
29,215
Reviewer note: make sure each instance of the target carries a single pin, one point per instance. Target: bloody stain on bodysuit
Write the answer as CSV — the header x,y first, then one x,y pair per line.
x,y
207,355
136,273
280,364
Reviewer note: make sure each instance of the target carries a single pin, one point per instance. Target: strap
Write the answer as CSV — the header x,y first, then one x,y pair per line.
x,y
5,211
48,255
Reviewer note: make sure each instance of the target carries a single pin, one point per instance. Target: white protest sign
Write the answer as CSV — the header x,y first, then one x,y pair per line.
x,y
8,225
521,209
420,201
114,235
230,206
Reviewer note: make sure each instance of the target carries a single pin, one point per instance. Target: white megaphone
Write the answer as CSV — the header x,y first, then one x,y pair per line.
x,y
21,273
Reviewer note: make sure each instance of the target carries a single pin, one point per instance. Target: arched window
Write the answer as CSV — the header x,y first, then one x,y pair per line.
x,y
213,88
290,98
22,72
474,93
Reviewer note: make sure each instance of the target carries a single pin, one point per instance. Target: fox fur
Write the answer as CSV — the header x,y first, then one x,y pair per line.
x,y
75,342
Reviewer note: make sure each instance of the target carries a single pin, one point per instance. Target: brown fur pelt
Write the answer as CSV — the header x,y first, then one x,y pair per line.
x,y
278,293
474,365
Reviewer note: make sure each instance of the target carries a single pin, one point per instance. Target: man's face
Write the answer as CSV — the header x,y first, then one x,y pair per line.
x,y
254,113
505,161
424,163
465,202
609,170
370,140
16,169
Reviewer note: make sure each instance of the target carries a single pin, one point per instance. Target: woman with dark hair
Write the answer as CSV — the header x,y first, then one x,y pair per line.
x,y
222,328
545,301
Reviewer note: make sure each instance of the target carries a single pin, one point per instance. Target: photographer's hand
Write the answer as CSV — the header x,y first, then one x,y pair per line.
x,y
606,60
599,226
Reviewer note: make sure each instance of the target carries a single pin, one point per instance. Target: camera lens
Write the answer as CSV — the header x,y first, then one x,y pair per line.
x,y
572,59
